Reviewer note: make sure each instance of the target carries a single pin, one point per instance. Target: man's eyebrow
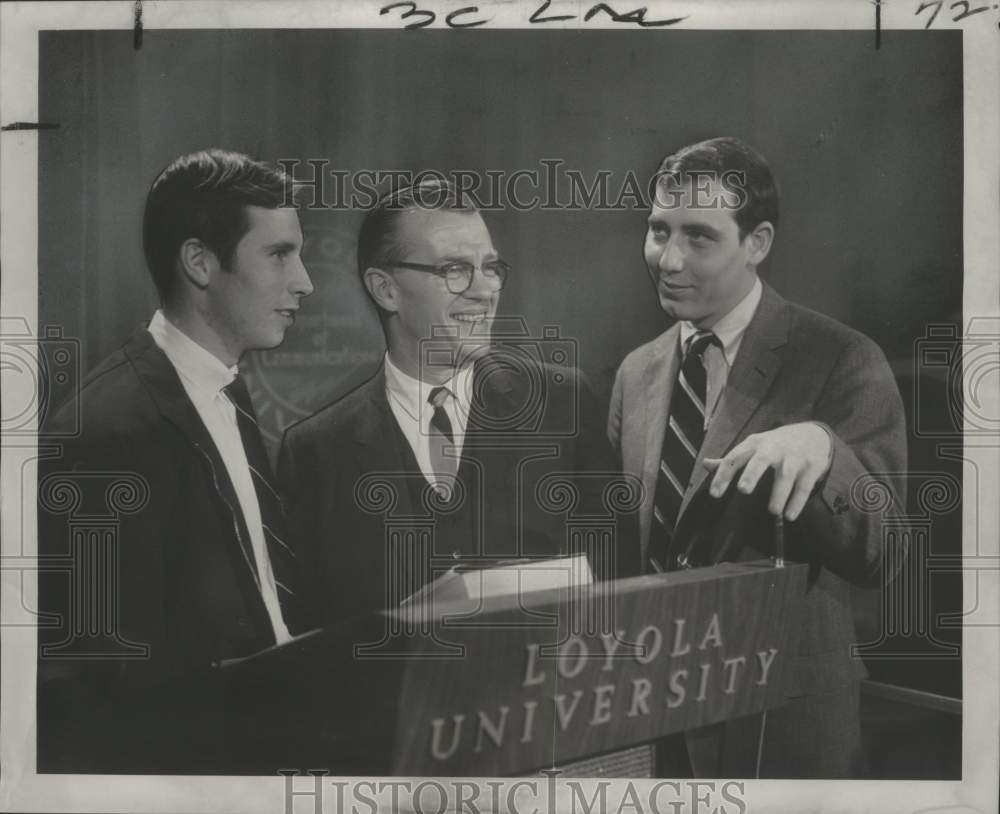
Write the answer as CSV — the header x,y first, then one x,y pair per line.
x,y
283,245
461,258
701,226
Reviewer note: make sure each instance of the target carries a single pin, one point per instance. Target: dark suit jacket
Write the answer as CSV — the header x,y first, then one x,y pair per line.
x,y
793,365
352,481
185,590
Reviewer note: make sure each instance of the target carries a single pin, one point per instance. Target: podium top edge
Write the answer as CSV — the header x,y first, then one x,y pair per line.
x,y
621,587
528,601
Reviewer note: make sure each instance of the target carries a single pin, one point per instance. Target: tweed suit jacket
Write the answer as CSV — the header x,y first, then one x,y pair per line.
x,y
793,365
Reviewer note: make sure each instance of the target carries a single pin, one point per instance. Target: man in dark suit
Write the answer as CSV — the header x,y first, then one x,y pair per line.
x,y
456,449
750,410
200,571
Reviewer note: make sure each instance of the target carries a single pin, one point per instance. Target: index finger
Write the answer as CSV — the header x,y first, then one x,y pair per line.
x,y
729,466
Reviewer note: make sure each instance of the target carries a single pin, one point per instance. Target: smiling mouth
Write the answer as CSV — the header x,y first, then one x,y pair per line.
x,y
470,319
289,313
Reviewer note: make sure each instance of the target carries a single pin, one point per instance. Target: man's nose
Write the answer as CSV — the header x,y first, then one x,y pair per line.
x,y
300,284
671,258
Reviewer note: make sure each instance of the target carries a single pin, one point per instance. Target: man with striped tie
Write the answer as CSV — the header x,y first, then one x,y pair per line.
x,y
750,410
204,570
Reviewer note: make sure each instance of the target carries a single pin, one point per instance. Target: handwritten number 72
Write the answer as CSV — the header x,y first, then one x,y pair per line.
x,y
935,5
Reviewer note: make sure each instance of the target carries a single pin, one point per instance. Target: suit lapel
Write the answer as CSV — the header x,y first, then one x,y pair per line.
x,y
377,427
500,453
656,405
756,365
495,398
164,387
375,435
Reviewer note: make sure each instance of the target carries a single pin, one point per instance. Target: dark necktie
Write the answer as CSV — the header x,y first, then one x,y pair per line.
x,y
271,511
682,439
441,437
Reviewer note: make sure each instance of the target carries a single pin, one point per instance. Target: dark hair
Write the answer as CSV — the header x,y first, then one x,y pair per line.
x,y
377,240
728,158
202,195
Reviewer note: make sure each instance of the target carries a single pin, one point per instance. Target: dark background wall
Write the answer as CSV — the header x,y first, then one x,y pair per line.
x,y
866,145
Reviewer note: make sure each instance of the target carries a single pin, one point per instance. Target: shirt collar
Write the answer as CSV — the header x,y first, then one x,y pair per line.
x,y
207,373
732,326
412,394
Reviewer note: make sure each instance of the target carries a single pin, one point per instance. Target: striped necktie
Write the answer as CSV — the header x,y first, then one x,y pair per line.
x,y
272,513
682,439
440,437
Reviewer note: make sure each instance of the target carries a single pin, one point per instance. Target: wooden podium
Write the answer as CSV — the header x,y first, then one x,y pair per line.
x,y
514,684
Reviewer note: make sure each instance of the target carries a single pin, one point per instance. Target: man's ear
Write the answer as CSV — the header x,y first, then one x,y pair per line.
x,y
197,262
382,288
759,242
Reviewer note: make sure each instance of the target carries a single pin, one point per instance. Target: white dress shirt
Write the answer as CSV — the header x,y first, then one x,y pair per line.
x,y
203,377
408,398
719,361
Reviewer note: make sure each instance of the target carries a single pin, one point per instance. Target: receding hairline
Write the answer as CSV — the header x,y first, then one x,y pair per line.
x,y
396,238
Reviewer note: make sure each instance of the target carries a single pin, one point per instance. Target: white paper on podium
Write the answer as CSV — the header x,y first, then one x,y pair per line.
x,y
510,577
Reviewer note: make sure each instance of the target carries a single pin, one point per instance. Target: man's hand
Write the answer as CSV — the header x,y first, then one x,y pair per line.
x,y
799,454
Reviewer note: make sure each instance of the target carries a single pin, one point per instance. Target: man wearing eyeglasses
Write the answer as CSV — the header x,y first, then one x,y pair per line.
x,y
462,433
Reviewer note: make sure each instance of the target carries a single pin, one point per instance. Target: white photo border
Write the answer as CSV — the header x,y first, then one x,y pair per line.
x,y
21,789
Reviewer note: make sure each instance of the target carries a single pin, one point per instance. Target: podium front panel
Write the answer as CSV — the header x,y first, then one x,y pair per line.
x,y
544,680
511,685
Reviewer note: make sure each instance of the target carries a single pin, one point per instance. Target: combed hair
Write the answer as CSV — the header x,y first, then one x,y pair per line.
x,y
203,195
725,156
377,240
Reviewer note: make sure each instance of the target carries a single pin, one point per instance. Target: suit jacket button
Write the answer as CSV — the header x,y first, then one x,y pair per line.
x,y
244,621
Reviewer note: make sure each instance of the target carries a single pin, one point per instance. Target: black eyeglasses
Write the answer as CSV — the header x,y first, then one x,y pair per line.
x,y
458,275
